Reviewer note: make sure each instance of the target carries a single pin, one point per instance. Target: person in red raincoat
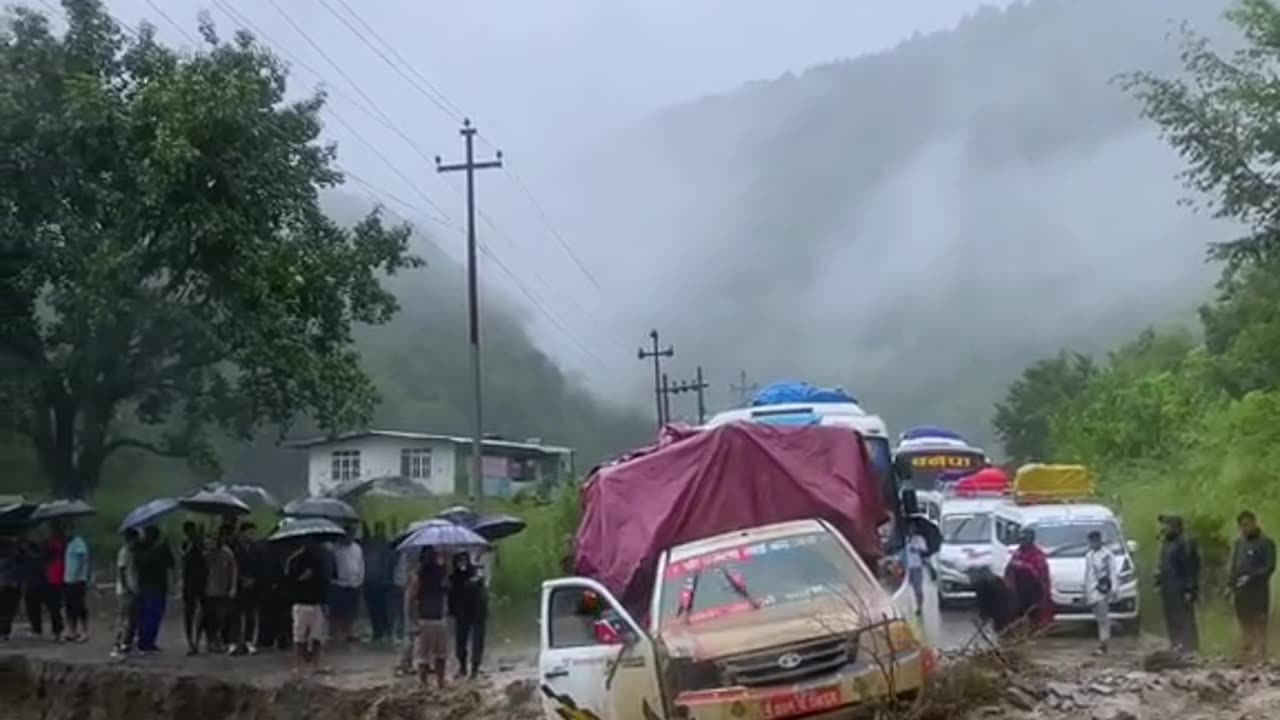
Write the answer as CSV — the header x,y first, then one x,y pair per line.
x,y
1028,576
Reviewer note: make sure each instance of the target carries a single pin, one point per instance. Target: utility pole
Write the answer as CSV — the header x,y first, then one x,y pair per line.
x,y
666,400
476,486
743,388
696,386
657,354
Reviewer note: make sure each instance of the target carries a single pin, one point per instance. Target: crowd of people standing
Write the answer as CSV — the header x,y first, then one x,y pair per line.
x,y
48,579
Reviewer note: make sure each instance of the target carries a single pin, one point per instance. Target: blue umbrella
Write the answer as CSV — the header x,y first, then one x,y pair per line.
x,y
442,533
148,513
498,527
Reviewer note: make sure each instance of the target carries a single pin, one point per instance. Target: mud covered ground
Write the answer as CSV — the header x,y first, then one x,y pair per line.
x,y
37,689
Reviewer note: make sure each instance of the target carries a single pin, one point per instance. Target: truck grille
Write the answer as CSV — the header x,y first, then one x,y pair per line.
x,y
801,662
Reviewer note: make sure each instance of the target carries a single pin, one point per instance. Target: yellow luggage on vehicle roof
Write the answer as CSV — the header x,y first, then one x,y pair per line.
x,y
1040,483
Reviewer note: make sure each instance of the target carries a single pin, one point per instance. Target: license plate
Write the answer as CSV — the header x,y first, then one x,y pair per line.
x,y
808,701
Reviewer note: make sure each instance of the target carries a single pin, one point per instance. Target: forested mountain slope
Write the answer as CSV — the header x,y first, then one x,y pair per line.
x,y
919,223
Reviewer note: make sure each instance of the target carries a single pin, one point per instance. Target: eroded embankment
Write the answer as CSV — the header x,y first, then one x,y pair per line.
x,y
33,689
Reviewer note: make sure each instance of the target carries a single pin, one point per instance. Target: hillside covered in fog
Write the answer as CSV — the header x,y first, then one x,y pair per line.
x,y
917,224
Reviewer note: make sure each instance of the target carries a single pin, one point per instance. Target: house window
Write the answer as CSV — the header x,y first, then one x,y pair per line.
x,y
415,463
345,465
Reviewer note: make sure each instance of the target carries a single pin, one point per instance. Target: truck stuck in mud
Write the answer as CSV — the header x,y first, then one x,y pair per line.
x,y
732,572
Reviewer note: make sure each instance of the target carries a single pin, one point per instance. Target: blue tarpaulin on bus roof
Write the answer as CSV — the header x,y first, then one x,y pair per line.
x,y
920,432
794,391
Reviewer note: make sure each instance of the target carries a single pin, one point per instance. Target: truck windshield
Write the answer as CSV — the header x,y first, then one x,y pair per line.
x,y
972,529
1067,540
757,575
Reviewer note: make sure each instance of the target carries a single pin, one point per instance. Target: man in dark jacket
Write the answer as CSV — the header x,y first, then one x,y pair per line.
x,y
248,601
1178,577
1253,561
378,566
469,606
194,574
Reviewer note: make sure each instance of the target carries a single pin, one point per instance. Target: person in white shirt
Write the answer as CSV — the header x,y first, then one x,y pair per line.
x,y
348,579
1100,586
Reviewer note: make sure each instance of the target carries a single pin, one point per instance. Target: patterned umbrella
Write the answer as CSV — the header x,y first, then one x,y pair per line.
x,y
247,493
442,533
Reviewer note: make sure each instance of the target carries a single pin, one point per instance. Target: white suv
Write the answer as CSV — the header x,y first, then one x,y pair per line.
x,y
1062,531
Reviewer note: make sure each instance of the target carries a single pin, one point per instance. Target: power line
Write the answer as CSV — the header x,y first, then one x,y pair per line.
x,y
436,97
440,100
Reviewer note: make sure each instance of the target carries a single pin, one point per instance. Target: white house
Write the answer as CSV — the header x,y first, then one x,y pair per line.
x,y
437,464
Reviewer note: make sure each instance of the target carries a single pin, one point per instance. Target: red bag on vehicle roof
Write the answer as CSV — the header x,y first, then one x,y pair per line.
x,y
708,482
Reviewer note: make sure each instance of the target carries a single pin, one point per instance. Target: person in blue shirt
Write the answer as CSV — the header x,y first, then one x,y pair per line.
x,y
76,586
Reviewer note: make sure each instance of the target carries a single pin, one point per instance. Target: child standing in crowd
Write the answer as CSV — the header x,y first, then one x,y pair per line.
x,y
76,586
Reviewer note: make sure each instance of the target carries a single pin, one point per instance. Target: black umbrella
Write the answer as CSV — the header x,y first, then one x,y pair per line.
x,y
352,490
207,502
17,513
498,527
320,507
62,510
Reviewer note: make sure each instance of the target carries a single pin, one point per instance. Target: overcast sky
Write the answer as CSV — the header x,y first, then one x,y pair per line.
x,y
540,79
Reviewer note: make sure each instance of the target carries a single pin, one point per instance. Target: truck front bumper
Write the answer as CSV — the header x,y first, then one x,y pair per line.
x,y
866,683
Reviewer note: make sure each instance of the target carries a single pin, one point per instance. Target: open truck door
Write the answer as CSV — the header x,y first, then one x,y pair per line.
x,y
595,662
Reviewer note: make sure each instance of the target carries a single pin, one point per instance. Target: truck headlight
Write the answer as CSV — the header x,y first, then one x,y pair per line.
x,y
687,674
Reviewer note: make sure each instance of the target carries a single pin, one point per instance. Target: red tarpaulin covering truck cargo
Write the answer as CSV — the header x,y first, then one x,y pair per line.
x,y
732,477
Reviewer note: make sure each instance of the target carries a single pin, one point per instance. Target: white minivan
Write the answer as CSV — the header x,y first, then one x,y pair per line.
x,y
966,543
1062,531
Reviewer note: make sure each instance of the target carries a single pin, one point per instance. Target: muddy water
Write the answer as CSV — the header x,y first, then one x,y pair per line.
x,y
36,689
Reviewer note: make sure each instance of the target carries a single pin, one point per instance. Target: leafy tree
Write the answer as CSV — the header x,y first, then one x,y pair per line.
x,y
1023,421
166,268
1223,117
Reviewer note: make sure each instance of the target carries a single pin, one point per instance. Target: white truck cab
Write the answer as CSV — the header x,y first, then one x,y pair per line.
x,y
777,621
1062,520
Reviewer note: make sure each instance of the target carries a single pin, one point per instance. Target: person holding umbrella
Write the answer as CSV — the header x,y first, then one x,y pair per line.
x,y
426,601
195,576
76,585
55,571
155,560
